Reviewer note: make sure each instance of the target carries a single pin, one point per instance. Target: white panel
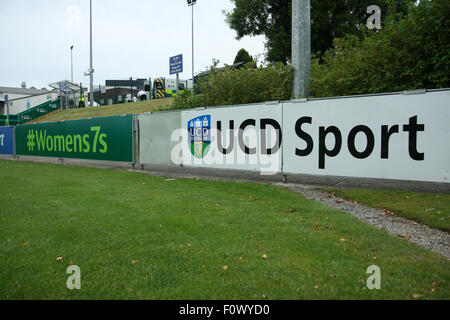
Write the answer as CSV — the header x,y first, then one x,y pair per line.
x,y
237,158
432,110
155,135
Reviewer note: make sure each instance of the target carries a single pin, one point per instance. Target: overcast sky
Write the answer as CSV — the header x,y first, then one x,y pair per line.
x,y
131,38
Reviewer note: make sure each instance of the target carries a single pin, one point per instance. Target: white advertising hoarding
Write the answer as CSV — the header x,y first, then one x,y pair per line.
x,y
155,137
235,137
392,136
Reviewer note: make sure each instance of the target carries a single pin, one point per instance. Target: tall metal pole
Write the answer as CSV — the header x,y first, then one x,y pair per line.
x,y
192,47
91,95
71,70
301,47
71,63
191,3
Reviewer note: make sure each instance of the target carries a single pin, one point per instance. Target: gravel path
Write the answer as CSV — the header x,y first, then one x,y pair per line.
x,y
432,239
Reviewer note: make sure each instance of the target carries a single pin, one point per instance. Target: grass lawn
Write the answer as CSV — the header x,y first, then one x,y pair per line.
x,y
105,111
430,209
140,237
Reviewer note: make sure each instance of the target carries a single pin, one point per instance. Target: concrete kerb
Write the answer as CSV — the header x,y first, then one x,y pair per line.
x,y
312,180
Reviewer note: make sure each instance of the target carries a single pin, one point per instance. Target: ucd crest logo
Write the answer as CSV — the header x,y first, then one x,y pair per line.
x,y
200,136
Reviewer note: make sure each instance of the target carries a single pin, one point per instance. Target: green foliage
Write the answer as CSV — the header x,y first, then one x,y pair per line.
x,y
411,51
330,19
186,100
246,85
408,53
243,56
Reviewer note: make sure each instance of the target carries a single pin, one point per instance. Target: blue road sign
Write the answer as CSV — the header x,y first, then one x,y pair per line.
x,y
176,64
62,86
6,99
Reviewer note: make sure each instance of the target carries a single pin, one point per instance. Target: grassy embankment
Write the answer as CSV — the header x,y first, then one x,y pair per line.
x,y
105,111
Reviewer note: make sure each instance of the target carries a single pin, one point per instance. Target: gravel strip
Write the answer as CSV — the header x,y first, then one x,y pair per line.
x,y
432,239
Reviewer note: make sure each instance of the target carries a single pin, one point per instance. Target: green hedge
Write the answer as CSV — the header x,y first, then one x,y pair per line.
x,y
246,85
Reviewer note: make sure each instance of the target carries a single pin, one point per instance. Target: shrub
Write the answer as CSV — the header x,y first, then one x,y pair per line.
x,y
246,85
412,52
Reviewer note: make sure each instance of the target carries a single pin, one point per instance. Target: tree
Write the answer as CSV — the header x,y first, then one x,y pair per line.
x,y
409,53
330,19
243,56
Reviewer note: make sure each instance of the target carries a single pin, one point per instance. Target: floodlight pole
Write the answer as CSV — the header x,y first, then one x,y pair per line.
x,y
192,43
71,69
71,63
131,89
191,3
301,47
91,71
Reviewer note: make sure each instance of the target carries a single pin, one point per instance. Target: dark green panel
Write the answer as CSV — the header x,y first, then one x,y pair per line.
x,y
109,139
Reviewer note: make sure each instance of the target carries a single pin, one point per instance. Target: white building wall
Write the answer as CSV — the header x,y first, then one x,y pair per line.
x,y
24,103
12,96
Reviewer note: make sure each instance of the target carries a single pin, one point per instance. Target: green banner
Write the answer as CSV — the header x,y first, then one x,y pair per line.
x,y
108,139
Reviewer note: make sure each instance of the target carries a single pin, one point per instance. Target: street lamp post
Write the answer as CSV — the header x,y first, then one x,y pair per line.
x,y
191,3
71,63
71,69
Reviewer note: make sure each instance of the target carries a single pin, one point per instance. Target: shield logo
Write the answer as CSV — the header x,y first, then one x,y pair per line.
x,y
200,136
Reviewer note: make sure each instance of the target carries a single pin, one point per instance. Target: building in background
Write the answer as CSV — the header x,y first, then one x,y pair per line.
x,y
22,99
113,95
116,91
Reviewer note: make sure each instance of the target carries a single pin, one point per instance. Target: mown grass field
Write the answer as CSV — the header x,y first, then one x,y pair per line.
x,y
105,111
140,237
430,209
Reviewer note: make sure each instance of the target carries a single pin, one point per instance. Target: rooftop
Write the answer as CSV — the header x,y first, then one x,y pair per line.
x,y
33,91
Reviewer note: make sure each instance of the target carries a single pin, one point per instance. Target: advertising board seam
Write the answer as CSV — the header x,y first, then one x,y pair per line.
x,y
135,144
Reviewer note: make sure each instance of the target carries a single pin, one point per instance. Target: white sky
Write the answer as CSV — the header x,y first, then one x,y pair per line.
x,y
131,38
